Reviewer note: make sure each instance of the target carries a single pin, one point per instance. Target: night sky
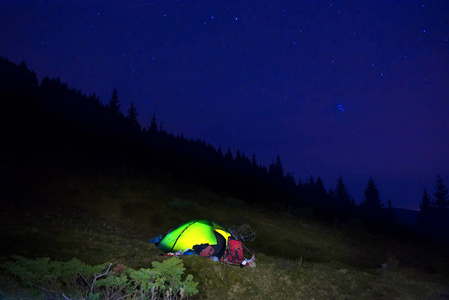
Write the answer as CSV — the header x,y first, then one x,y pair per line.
x,y
350,88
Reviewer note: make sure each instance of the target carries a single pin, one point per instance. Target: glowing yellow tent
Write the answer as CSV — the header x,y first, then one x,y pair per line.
x,y
193,233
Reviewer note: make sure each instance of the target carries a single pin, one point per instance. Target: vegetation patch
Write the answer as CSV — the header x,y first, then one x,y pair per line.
x,y
76,280
297,258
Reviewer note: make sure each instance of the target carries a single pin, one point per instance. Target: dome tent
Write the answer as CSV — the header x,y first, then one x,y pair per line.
x,y
206,238
193,233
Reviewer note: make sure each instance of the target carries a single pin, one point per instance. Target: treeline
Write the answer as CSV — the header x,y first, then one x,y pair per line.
x,y
52,125
434,211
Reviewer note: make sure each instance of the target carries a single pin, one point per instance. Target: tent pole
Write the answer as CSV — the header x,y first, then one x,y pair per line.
x,y
246,248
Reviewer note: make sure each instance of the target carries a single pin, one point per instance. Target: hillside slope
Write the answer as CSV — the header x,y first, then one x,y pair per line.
x,y
99,218
77,180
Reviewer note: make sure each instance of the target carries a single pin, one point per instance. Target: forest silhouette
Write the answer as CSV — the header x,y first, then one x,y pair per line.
x,y
50,125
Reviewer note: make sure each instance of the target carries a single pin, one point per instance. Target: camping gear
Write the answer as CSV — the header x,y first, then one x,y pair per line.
x,y
234,252
205,238
207,252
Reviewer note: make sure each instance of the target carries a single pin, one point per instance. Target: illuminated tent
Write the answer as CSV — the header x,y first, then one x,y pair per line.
x,y
193,233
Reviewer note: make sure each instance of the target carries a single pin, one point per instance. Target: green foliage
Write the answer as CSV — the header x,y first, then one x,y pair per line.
x,y
164,280
51,276
76,279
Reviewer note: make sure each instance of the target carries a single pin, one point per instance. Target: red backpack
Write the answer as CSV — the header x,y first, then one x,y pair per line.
x,y
234,251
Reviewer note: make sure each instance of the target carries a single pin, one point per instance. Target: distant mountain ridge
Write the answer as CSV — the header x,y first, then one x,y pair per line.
x,y
50,124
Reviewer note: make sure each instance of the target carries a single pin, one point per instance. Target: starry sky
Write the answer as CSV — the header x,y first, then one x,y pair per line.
x,y
352,88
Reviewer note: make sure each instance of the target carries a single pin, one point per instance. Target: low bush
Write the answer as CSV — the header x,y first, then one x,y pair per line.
x,y
74,279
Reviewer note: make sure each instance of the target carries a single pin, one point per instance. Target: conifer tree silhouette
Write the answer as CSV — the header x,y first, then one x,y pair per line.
x,y
228,156
425,204
238,156
161,128
275,169
289,178
434,215
371,204
441,197
132,116
153,124
426,211
310,184
319,188
341,193
279,167
344,204
371,208
253,160
114,103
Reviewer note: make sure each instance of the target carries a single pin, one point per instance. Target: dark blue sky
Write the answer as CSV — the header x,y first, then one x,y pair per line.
x,y
351,88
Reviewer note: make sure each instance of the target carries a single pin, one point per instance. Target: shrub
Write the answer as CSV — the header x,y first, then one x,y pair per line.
x,y
78,280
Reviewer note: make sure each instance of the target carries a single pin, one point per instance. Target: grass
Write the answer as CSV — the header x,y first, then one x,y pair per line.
x,y
97,219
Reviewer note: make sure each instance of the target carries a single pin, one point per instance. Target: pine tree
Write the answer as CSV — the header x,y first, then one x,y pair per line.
x,y
228,155
426,214
341,193
132,115
289,178
114,103
319,187
310,183
161,128
425,204
343,206
253,160
441,198
371,203
153,124
275,169
279,167
238,157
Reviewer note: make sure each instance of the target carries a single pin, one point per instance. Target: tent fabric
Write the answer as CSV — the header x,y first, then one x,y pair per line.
x,y
193,233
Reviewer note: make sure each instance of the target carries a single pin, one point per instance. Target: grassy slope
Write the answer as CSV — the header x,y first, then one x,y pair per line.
x,y
97,219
